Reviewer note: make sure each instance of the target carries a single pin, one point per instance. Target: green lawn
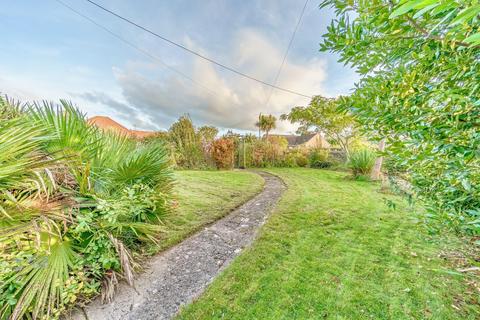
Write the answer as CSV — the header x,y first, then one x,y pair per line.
x,y
333,250
205,196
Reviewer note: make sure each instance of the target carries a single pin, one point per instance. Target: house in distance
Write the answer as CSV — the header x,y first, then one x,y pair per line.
x,y
107,124
306,141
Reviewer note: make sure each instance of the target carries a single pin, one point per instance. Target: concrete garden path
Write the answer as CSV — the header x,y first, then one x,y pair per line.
x,y
177,276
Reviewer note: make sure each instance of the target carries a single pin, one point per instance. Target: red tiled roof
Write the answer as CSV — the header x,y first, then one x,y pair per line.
x,y
105,123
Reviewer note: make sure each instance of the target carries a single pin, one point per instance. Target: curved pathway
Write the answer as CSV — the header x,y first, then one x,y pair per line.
x,y
177,276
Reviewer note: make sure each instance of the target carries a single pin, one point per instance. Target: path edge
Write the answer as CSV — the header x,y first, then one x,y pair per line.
x,y
78,312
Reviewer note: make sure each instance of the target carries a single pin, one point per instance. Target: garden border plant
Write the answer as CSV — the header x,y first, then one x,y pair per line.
x,y
76,204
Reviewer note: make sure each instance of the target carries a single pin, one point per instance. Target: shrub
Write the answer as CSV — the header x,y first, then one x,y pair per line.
x,y
319,158
187,144
262,153
294,158
302,160
223,153
275,149
74,204
257,154
424,99
289,161
361,162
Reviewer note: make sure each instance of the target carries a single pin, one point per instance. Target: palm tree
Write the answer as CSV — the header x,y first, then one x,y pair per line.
x,y
266,123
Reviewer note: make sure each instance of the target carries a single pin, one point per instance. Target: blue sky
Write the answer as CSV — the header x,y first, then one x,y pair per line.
x,y
49,52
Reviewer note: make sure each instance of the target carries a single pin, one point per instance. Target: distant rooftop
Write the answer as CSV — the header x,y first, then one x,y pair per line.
x,y
106,123
294,140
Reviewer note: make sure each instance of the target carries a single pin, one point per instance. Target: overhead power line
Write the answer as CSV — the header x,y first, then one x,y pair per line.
x,y
194,52
146,53
286,52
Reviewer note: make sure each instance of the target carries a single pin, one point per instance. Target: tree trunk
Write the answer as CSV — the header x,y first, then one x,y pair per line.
x,y
377,168
259,125
244,155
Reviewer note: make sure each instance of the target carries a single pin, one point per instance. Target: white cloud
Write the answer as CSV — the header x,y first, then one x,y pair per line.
x,y
231,101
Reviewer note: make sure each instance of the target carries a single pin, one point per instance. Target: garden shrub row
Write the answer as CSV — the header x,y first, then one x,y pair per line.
x,y
200,148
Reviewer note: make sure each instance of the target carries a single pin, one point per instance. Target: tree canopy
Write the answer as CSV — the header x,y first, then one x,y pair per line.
x,y
420,67
207,134
322,115
266,123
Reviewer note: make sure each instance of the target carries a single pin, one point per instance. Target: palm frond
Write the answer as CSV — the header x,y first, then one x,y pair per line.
x,y
39,284
19,156
126,261
56,173
22,165
147,165
10,108
73,139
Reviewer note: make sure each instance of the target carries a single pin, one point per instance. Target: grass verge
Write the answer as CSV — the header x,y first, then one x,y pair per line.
x,y
203,197
333,250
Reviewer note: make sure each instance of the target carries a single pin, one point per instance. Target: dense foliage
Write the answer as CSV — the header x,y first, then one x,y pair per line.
x,y
189,147
187,144
223,153
266,123
319,158
322,115
199,148
75,204
266,152
274,152
420,67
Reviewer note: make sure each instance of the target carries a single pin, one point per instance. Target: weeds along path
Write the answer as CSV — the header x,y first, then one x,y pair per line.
x,y
177,276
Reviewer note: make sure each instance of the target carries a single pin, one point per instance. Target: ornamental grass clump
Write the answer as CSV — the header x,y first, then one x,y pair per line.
x,y
76,204
361,162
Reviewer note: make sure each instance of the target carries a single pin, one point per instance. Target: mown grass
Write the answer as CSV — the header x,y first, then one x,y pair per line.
x,y
333,250
203,197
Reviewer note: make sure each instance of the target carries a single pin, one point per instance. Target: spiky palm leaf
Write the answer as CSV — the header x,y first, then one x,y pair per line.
x,y
115,148
122,162
23,167
361,162
150,166
39,283
73,139
10,108
50,158
19,145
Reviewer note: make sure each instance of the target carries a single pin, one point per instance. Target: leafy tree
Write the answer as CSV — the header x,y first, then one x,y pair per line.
x,y
187,144
207,134
249,138
322,115
266,123
420,67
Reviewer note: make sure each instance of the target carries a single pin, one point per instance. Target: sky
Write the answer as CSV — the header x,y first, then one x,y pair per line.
x,y
51,53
